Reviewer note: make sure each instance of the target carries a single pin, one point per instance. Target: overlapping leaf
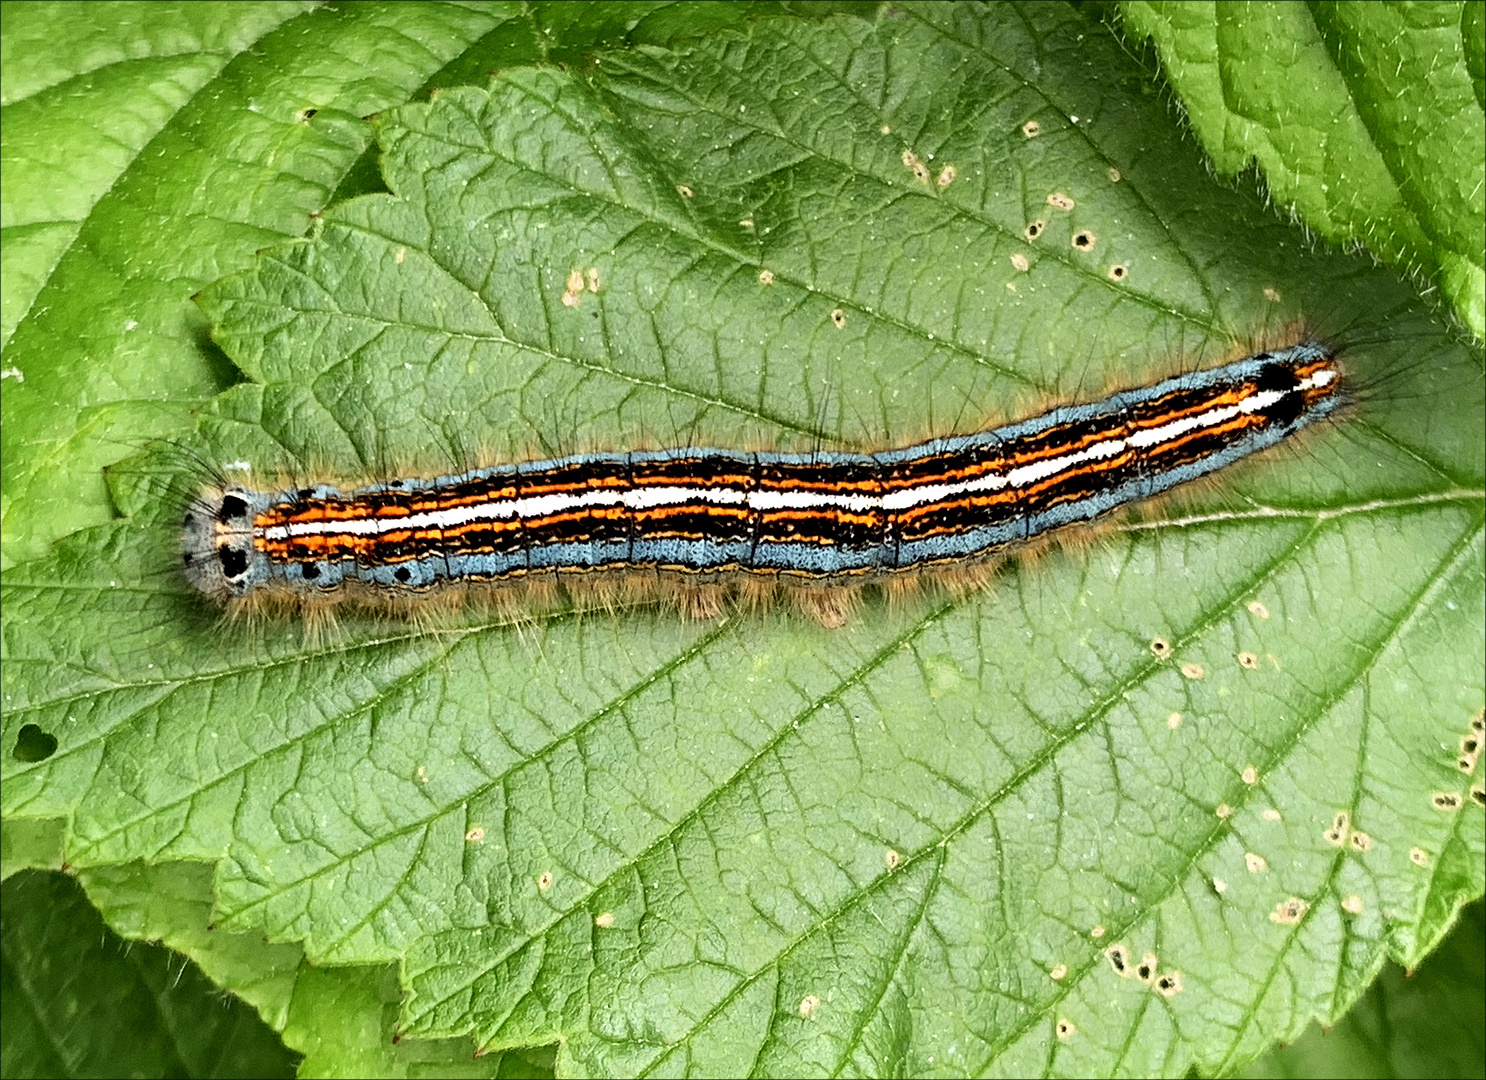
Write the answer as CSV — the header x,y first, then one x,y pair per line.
x,y
1368,119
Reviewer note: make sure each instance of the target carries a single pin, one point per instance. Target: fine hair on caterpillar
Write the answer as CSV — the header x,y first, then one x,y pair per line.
x,y
702,528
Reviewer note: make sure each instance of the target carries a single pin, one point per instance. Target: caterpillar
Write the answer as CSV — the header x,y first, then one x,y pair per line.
x,y
710,515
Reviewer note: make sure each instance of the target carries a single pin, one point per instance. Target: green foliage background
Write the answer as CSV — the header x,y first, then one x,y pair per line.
x,y
771,848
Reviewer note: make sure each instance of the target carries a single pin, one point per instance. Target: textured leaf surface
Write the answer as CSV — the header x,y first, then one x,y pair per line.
x,y
772,847
77,1001
193,151
1367,118
343,1020
1428,1023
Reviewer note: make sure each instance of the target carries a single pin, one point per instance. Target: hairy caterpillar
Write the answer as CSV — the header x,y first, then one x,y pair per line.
x,y
718,517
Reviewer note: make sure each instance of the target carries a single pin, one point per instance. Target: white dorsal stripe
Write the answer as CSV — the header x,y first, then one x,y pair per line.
x,y
647,498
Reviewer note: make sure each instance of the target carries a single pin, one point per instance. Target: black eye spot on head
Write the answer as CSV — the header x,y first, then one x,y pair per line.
x,y
186,558
189,518
32,744
402,574
309,571
232,507
234,562
304,493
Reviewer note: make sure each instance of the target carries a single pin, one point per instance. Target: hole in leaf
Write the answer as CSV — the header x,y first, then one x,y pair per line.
x,y
33,745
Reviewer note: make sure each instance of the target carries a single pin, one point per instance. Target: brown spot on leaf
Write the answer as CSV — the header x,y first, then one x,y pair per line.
x,y
1289,911
1169,984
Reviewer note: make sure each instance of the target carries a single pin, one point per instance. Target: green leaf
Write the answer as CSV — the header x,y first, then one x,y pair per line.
x,y
772,847
343,1020
1366,119
1428,1023
30,843
171,903
77,1001
194,150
